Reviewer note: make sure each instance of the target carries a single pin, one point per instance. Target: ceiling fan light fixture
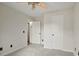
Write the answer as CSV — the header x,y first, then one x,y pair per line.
x,y
33,6
39,4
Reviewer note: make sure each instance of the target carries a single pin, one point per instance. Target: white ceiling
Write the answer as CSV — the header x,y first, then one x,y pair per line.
x,y
51,6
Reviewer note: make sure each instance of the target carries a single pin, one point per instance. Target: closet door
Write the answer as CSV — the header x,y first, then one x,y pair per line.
x,y
53,31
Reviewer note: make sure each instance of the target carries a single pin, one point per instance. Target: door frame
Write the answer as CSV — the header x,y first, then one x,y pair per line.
x,y
29,32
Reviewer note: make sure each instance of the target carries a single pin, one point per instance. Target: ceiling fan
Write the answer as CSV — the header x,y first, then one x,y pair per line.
x,y
42,5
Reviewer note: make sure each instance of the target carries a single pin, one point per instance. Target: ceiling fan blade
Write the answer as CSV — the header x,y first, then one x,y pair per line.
x,y
43,5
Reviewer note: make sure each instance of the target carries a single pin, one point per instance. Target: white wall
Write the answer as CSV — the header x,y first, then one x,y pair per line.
x,y
42,28
76,27
68,31
53,31
12,23
67,27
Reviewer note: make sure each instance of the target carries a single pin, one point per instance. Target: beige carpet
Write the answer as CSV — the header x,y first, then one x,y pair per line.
x,y
38,50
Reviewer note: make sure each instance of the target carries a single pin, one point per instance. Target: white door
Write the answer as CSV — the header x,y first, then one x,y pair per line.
x,y
35,32
53,32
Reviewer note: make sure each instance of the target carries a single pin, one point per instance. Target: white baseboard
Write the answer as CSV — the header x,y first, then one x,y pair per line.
x,y
67,50
6,53
3,54
64,50
74,52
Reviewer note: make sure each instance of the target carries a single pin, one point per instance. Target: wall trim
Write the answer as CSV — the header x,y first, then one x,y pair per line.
x,y
26,46
6,53
63,50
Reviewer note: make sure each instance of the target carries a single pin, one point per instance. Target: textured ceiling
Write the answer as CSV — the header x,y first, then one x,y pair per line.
x,y
51,6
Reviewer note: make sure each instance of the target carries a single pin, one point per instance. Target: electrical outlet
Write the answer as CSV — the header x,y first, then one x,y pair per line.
x,y
11,45
1,48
